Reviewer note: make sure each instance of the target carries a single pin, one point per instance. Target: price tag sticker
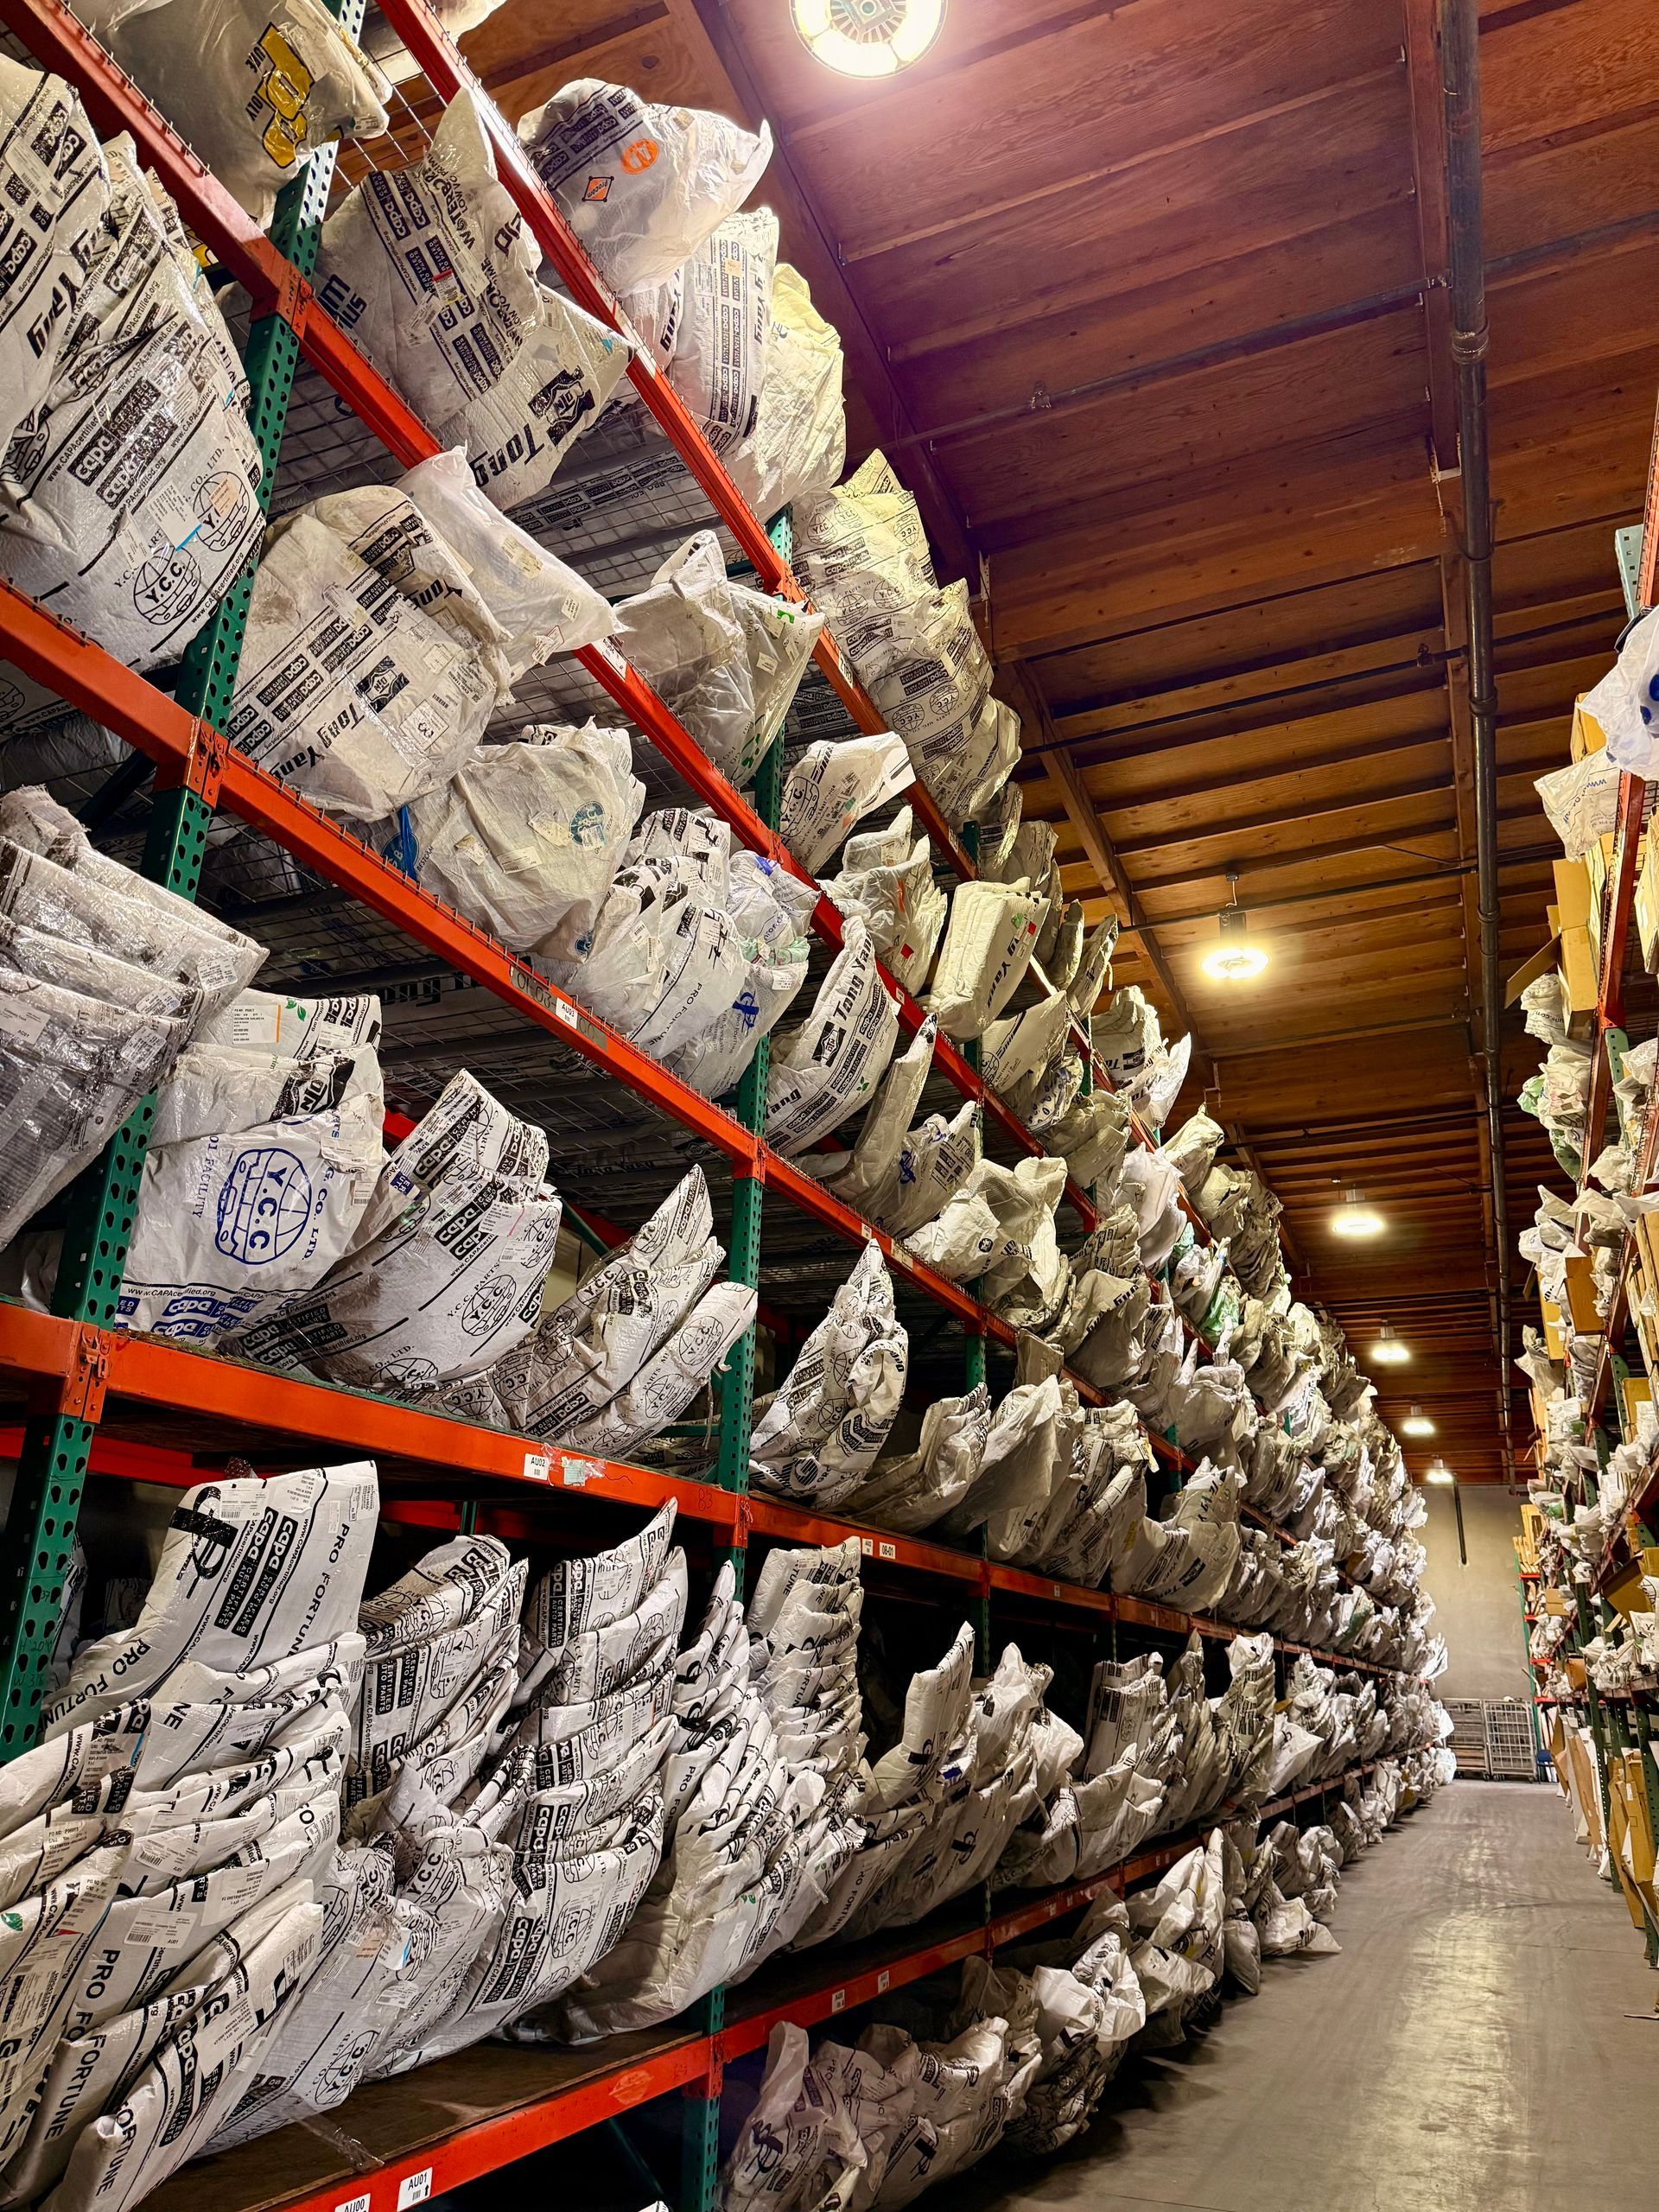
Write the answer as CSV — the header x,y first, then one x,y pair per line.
x,y
538,1467
413,2188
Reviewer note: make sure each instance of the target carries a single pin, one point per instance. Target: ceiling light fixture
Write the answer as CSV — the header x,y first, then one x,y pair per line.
x,y
1235,960
869,38
1353,1218
1388,1351
1438,1473
1416,1423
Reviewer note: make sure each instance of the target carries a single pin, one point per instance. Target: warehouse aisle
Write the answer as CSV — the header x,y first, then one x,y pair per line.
x,y
1481,2003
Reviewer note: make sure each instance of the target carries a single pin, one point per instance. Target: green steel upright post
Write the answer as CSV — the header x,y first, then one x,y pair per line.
x,y
700,2129
101,1204
1532,1679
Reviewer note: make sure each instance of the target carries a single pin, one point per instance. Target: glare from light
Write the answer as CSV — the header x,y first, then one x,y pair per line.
x,y
1416,1423
1235,960
1353,1218
1439,1472
869,38
1234,963
1389,1350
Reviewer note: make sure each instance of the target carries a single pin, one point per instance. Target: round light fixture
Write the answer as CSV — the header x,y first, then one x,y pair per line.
x,y
1353,1218
1417,1423
1388,1351
1439,1472
869,38
1235,960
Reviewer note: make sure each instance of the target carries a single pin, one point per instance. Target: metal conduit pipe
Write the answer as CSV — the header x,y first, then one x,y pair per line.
x,y
1460,90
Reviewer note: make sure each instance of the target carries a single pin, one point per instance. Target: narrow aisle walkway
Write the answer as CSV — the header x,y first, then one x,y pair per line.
x,y
1470,2051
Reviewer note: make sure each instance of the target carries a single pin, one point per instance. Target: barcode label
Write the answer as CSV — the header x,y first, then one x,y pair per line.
x,y
837,2002
413,2188
538,1467
887,1551
882,1979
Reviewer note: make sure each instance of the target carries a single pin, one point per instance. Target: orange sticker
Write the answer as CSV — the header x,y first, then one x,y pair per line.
x,y
639,155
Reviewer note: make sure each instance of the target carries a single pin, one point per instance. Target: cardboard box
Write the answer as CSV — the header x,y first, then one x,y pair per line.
x,y
1572,893
1599,866
1647,902
1555,1342
1576,957
1634,1390
1625,1590
1578,1674
1581,1298
1588,737
1559,1605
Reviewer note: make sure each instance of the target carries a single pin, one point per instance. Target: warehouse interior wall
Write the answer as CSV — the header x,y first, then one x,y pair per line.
x,y
1479,1614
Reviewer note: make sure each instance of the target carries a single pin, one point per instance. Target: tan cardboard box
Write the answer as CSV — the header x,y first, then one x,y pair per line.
x,y
1588,735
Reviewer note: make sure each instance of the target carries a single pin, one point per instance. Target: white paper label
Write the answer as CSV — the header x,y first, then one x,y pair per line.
x,y
21,1019
413,2188
567,1014
838,2000
353,2204
881,1980
538,1468
161,1931
887,1551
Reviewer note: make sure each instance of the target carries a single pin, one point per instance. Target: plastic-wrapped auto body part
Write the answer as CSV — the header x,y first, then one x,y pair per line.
x,y
544,607
55,189
871,1166
771,911
128,500
861,547
988,944
821,1072
593,1345
887,882
911,1492
798,445
641,185
372,665
817,1436
526,838
254,85
459,320
258,1170
833,786
298,1544
673,1378
711,320
444,1276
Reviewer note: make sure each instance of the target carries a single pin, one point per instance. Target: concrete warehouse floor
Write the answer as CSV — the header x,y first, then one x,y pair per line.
x,y
1485,2043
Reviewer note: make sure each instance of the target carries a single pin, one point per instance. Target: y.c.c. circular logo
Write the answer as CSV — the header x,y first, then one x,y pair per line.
x,y
263,1206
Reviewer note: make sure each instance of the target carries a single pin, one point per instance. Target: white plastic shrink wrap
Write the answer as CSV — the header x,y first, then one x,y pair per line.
x,y
370,666
830,1065
486,356
444,1275
55,198
254,85
593,1345
641,185
526,840
128,500
861,547
773,911
544,607
817,1436
798,445
723,658
913,1490
753,1788
666,1385
258,1170
988,944
250,1573
887,882
833,786
709,323
103,979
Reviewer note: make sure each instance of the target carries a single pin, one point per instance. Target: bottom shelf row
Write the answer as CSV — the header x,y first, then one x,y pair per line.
x,y
288,1850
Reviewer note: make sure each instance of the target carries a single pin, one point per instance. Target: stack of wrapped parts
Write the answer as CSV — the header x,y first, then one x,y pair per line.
x,y
759,1779
104,979
130,487
165,1851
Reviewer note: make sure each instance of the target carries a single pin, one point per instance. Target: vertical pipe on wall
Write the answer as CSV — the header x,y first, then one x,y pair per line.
x,y
1460,87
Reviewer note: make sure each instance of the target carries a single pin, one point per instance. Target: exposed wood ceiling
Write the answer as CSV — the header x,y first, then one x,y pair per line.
x,y
1146,300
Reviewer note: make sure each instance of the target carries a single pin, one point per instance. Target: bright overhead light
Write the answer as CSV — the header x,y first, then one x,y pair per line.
x,y
1388,1351
1353,1218
869,38
1417,1423
1439,1472
1235,960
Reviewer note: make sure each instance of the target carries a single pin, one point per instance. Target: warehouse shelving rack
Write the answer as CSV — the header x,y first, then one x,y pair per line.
x,y
94,1394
